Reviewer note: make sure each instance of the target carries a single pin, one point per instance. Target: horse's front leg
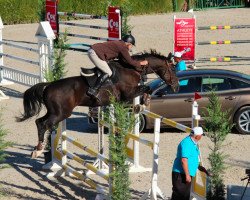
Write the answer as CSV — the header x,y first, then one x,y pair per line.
x,y
142,89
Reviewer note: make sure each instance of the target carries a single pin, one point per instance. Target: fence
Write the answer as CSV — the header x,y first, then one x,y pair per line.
x,y
44,52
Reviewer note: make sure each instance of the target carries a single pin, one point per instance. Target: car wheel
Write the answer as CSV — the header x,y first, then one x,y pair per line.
x,y
242,120
142,122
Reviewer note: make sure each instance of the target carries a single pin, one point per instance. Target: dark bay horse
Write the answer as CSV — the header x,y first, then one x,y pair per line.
x,y
62,96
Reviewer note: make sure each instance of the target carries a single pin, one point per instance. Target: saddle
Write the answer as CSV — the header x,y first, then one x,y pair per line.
x,y
91,75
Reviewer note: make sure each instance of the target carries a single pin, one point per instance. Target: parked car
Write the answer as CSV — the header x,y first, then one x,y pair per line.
x,y
233,89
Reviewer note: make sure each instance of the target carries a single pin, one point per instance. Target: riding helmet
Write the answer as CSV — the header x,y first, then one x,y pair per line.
x,y
129,39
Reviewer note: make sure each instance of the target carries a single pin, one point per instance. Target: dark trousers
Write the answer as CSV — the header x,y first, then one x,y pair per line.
x,y
181,189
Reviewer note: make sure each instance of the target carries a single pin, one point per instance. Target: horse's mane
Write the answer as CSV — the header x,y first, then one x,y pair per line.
x,y
140,56
146,54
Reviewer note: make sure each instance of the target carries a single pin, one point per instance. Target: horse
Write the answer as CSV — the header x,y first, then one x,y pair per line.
x,y
62,96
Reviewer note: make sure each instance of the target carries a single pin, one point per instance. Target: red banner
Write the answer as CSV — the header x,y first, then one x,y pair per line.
x,y
114,22
184,37
51,15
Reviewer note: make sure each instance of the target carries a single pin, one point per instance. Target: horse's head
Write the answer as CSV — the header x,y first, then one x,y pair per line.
x,y
163,67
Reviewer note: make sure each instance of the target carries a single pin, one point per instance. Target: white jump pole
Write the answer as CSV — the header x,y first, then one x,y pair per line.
x,y
99,162
155,191
136,167
195,116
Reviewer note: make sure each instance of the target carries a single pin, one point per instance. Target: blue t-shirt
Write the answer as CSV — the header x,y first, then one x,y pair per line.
x,y
187,149
180,66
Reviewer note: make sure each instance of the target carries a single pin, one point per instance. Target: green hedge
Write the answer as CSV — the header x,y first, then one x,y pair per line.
x,y
28,11
19,11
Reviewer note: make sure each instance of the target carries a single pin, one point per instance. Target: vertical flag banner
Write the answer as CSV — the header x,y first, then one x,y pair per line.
x,y
184,36
51,15
114,23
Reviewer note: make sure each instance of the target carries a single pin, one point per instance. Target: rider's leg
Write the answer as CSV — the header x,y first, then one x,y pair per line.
x,y
100,80
103,66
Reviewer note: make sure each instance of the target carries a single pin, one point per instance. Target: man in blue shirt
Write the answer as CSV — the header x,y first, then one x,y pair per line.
x,y
186,164
180,66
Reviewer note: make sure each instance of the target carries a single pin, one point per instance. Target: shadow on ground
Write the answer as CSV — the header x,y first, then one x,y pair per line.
x,y
31,169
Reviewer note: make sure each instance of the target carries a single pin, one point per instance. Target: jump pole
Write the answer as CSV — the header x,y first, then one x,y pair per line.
x,y
155,191
135,160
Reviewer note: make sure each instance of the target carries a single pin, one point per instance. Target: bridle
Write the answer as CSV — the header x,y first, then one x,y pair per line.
x,y
167,69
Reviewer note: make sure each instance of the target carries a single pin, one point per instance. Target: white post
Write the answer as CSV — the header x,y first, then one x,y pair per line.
x,y
111,131
1,49
100,136
155,190
56,164
45,36
137,133
195,116
2,95
135,167
99,162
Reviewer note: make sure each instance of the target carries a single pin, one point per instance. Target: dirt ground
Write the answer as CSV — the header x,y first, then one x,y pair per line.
x,y
25,179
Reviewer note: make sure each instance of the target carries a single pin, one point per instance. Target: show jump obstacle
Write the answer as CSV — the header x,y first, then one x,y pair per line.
x,y
113,29
44,52
61,156
185,37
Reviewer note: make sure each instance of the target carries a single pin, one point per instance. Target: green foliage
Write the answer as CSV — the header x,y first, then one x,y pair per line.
x,y
58,69
41,10
121,126
29,11
3,144
19,11
126,11
217,128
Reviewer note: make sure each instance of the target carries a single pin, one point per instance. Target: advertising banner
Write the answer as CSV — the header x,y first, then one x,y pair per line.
x,y
114,23
184,37
51,15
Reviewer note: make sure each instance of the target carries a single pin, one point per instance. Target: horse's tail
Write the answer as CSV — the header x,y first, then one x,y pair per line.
x,y
32,101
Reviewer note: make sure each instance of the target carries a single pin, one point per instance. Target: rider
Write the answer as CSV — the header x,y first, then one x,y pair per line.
x,y
100,53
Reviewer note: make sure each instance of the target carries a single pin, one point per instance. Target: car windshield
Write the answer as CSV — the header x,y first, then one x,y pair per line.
x,y
155,83
246,76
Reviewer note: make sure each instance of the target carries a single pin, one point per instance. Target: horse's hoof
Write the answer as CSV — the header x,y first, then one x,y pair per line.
x,y
33,155
137,109
146,99
36,153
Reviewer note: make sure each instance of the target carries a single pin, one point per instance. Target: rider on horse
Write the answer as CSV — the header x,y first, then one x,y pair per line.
x,y
100,53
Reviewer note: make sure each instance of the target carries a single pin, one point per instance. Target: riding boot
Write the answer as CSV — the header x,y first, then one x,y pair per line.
x,y
100,80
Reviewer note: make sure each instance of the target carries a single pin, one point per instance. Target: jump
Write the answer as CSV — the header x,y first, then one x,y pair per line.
x,y
62,96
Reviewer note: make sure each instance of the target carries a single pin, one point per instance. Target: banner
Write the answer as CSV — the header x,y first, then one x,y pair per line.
x,y
184,37
51,15
114,23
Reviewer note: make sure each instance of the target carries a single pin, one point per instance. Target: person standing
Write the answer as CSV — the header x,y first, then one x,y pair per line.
x,y
180,64
186,164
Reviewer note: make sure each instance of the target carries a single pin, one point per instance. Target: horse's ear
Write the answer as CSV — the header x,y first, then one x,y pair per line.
x,y
169,55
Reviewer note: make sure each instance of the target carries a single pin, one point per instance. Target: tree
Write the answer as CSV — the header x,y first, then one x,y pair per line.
x,y
3,145
217,127
121,123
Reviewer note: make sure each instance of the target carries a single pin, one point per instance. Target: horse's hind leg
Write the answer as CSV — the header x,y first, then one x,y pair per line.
x,y
47,122
41,128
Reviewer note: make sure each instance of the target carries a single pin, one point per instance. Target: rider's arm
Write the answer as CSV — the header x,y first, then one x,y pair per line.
x,y
127,58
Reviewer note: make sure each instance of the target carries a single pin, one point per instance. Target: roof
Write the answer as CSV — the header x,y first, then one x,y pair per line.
x,y
213,71
199,72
